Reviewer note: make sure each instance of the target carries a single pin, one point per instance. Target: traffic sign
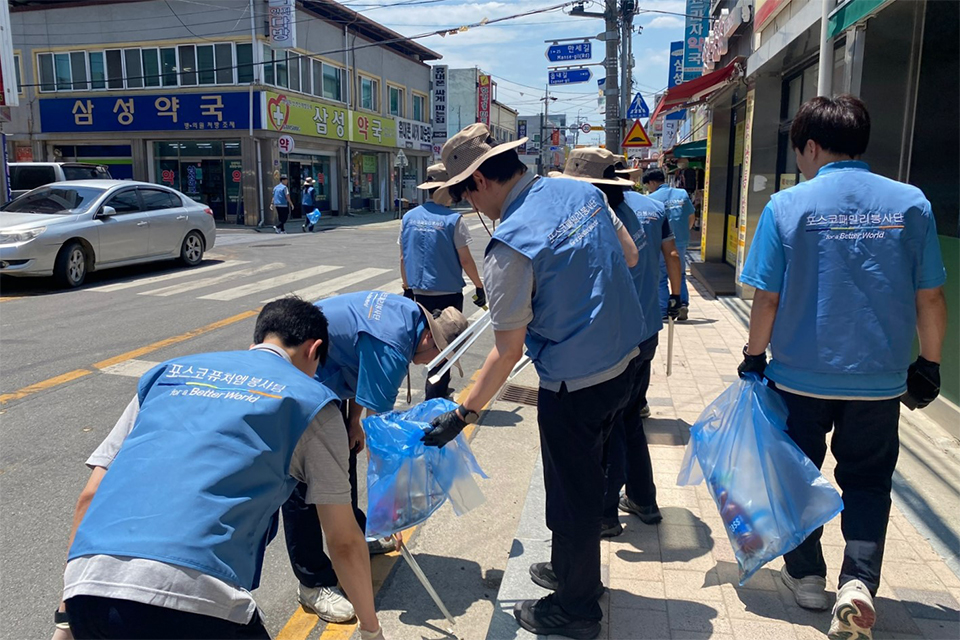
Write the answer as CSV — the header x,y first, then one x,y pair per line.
x,y
286,144
636,137
401,159
585,127
567,52
570,76
638,108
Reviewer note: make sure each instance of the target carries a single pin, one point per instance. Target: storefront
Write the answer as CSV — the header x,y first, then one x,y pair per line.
x,y
208,172
416,140
319,165
367,183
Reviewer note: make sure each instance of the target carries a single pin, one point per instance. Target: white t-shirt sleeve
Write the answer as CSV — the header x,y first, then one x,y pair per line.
x,y
110,447
461,234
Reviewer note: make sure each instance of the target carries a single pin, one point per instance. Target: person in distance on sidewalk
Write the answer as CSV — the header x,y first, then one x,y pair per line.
x,y
680,214
847,267
558,281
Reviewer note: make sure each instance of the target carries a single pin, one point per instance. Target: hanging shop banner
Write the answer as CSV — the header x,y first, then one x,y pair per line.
x,y
183,111
694,33
412,134
676,76
292,114
483,100
439,107
283,24
522,133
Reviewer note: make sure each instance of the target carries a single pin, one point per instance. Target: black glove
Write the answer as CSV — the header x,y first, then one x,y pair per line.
x,y
752,364
923,384
408,294
673,307
480,297
445,428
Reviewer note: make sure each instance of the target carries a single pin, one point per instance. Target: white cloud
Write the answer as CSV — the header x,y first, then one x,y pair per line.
x,y
665,22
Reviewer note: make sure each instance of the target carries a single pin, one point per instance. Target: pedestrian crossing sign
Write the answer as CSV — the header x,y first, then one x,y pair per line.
x,y
636,137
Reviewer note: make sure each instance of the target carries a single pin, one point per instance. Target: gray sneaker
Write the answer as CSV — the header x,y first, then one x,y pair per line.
x,y
328,603
645,412
853,614
809,592
381,545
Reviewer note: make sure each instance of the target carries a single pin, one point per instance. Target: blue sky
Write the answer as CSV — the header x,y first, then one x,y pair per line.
x,y
513,51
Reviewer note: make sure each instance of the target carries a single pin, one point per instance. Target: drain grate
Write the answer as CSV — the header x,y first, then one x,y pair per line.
x,y
520,394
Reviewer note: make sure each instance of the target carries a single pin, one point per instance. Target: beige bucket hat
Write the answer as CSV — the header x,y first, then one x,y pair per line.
x,y
436,176
588,165
467,150
446,327
633,175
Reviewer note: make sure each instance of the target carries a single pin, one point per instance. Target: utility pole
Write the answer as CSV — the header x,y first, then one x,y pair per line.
x,y
611,87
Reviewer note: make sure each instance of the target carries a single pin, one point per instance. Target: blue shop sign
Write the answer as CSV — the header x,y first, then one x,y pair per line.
x,y
156,112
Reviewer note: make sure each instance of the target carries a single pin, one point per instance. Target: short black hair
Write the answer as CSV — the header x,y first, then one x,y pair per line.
x,y
294,321
499,168
653,174
840,125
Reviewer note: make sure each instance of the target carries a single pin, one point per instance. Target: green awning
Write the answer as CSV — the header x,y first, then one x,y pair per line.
x,y
851,13
695,149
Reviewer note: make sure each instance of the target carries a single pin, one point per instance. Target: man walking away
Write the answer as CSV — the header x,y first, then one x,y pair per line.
x,y
307,203
282,203
847,267
680,214
434,253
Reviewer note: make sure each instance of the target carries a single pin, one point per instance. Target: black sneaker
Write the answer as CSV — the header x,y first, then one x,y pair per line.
x,y
647,515
684,312
542,575
610,529
545,617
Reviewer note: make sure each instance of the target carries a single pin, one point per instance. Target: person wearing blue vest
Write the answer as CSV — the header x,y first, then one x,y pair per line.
x,y
628,455
557,276
170,542
374,337
680,214
847,269
308,202
282,204
434,253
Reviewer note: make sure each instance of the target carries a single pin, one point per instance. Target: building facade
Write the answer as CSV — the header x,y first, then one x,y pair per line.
x,y
212,103
469,102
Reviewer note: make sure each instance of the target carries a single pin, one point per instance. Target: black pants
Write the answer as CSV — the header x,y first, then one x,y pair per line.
x,y
865,444
96,617
627,454
573,428
282,214
439,303
301,528
304,210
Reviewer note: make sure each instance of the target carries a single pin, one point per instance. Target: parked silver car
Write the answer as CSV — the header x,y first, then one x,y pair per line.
x,y
67,229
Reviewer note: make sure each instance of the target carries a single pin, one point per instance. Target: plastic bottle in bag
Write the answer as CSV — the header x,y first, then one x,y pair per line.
x,y
739,525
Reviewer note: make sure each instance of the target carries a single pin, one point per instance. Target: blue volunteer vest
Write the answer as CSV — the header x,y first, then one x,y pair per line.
x,y
429,250
586,314
280,195
852,242
306,197
390,318
643,218
678,213
206,466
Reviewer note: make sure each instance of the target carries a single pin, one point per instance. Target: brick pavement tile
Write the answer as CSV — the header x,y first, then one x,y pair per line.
x,y
755,605
697,635
753,630
911,575
900,551
638,594
634,565
805,632
931,605
763,580
676,496
684,615
627,623
938,629
894,616
692,585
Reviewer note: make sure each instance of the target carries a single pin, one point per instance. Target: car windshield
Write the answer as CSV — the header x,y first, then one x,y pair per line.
x,y
55,200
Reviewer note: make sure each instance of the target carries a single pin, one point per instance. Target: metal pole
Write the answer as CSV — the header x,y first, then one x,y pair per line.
x,y
422,577
624,65
669,345
612,87
546,127
825,76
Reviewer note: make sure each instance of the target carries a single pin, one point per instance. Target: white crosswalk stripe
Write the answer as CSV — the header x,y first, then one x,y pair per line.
x,y
269,283
131,368
207,282
335,285
139,282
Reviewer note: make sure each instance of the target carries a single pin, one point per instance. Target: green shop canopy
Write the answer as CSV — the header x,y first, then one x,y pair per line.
x,y
695,149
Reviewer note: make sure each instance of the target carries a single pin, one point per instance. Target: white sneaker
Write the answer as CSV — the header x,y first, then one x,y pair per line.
x,y
853,615
809,592
328,603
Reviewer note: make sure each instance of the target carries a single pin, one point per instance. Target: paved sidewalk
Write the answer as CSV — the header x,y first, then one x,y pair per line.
x,y
679,579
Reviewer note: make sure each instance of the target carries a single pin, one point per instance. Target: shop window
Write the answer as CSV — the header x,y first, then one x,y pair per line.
x,y
268,69
293,62
114,69
419,108
280,60
168,62
61,62
151,67
231,148
317,74
188,65
46,72
212,148
306,74
19,72
332,82
396,101
166,149
78,68
131,58
98,71
205,65
369,92
224,63
244,63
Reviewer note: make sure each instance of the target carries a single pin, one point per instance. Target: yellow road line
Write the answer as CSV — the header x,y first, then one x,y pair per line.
x,y
300,624
55,381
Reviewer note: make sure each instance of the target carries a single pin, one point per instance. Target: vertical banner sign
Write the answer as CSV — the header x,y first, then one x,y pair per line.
x,y
704,209
745,181
676,75
283,24
522,133
439,107
483,100
694,33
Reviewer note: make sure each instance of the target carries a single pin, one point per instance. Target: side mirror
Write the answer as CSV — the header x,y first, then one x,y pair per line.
x,y
106,211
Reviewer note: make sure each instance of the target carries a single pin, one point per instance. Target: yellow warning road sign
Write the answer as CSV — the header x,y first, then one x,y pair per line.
x,y
636,137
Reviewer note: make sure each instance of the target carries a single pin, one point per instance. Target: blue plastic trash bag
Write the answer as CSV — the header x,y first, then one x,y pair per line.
x,y
770,495
406,480
314,216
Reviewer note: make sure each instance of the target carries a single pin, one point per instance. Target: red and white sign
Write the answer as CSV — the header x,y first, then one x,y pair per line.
x,y
483,100
24,154
286,144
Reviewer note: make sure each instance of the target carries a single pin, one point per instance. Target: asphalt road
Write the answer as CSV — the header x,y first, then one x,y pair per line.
x,y
70,362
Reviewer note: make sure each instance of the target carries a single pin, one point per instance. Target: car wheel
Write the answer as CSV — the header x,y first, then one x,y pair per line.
x,y
191,251
70,269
